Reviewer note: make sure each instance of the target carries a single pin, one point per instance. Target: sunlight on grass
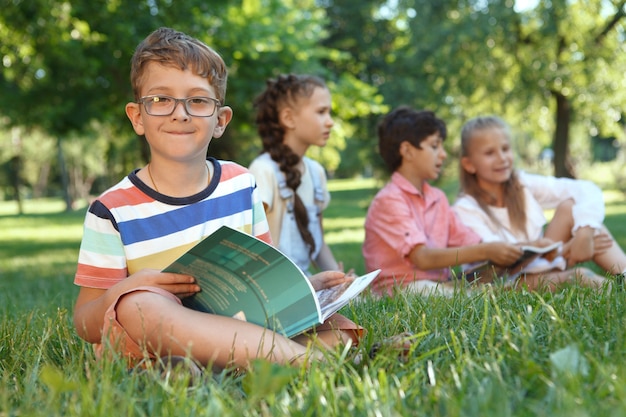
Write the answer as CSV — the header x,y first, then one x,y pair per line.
x,y
355,235
344,230
615,203
37,206
42,233
614,210
39,260
340,223
352,184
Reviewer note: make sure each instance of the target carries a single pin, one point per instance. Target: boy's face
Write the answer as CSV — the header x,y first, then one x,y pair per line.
x,y
178,136
425,162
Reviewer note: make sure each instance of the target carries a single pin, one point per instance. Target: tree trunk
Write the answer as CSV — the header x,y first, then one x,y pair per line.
x,y
65,183
15,169
560,143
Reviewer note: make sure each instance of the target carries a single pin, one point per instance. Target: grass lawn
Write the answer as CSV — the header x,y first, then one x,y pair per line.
x,y
493,353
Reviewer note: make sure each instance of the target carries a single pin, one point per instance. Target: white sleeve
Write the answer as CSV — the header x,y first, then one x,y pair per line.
x,y
550,191
265,180
470,214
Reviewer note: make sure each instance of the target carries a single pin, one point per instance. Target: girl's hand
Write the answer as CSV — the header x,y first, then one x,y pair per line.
x,y
178,284
328,279
581,247
601,243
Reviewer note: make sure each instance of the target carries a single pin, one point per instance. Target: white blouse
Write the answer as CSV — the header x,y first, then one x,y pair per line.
x,y
541,193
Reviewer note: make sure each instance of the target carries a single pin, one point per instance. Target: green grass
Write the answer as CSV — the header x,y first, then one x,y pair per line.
x,y
495,353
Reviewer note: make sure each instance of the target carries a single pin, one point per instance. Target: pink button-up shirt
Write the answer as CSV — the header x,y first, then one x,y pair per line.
x,y
401,217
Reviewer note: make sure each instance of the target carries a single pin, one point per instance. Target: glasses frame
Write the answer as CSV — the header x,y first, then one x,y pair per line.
x,y
184,101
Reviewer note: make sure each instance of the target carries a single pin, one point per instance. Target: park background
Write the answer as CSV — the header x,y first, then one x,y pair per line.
x,y
553,69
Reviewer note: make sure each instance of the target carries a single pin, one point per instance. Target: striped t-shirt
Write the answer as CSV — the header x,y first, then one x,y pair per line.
x,y
131,226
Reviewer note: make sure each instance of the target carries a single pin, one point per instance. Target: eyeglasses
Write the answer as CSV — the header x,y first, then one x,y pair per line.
x,y
165,105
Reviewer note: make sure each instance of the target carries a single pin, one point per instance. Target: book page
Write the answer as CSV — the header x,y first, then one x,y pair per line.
x,y
333,299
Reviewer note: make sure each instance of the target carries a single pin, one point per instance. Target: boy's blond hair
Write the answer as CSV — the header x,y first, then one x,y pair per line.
x,y
171,48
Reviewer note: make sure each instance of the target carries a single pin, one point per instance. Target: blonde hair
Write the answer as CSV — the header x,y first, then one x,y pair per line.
x,y
513,190
175,49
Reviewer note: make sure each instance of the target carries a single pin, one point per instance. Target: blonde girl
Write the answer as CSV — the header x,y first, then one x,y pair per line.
x,y
501,203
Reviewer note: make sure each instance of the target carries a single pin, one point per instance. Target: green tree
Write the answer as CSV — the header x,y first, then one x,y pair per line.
x,y
66,66
541,69
566,57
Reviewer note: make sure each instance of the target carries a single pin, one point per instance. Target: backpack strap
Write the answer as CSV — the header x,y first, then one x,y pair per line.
x,y
318,191
287,194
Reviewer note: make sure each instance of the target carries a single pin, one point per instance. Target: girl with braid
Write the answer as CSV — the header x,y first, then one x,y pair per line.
x,y
293,113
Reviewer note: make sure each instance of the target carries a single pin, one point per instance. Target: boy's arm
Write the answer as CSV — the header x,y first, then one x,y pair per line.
x,y
89,309
500,253
92,303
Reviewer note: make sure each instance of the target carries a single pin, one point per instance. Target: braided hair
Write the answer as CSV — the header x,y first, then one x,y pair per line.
x,y
280,92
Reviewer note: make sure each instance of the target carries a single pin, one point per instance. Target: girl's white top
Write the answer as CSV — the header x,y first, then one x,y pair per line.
x,y
541,193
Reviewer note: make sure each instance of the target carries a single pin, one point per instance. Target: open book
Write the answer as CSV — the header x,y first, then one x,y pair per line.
x,y
487,272
243,277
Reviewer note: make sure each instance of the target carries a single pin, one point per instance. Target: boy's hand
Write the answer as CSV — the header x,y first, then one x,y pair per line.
x,y
328,279
503,253
178,284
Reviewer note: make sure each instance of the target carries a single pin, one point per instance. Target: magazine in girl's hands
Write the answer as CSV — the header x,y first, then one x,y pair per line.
x,y
487,272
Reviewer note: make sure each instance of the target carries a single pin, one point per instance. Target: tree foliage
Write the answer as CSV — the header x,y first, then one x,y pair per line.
x,y
66,66
554,72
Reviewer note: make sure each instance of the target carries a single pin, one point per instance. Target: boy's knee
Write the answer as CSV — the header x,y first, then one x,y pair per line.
x,y
143,302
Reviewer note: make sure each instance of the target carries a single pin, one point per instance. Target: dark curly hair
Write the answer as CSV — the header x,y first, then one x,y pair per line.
x,y
405,124
280,92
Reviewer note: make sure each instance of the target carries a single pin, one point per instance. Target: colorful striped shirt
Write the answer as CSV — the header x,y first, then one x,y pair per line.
x,y
131,226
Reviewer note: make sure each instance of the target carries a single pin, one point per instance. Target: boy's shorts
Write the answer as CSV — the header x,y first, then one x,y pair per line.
x,y
115,336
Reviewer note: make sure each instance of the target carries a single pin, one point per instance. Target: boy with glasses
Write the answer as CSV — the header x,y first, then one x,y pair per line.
x,y
156,213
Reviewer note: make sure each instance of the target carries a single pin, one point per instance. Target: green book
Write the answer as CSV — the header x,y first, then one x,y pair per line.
x,y
243,277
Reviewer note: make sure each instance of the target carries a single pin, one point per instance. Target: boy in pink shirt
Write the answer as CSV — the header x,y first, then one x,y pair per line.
x,y
411,233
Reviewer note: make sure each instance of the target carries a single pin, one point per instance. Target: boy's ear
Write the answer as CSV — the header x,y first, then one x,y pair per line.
x,y
467,165
134,115
224,116
405,148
